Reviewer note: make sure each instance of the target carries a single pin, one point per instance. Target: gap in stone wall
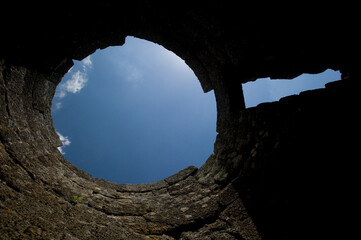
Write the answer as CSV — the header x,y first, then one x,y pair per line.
x,y
269,90
134,114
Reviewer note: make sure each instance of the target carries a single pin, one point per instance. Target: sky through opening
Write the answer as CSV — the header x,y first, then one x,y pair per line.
x,y
267,90
134,114
137,113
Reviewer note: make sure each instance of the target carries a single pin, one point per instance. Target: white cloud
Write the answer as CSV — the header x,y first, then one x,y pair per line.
x,y
58,105
73,85
86,62
76,83
65,141
77,80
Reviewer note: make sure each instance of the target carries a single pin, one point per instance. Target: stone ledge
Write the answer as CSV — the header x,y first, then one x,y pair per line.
x,y
181,175
147,187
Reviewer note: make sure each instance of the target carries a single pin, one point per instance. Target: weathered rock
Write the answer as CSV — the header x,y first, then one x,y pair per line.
x,y
277,172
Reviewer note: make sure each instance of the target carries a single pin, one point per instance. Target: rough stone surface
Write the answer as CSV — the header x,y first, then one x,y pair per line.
x,y
282,170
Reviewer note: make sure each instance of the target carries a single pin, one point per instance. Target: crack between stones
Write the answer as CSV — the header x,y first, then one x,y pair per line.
x,y
16,161
108,213
5,73
193,226
7,103
198,224
107,196
8,184
167,181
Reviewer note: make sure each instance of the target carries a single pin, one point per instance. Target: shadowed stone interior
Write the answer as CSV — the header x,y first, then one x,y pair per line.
x,y
281,170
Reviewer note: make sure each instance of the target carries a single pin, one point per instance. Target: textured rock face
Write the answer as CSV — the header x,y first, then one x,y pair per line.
x,y
38,185
283,170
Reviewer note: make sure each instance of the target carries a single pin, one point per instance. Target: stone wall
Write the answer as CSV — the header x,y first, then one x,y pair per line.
x,y
292,162
37,184
282,170
283,163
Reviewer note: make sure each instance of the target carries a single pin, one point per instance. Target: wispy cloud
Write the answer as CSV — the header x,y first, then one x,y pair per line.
x,y
77,80
73,85
65,141
87,62
58,105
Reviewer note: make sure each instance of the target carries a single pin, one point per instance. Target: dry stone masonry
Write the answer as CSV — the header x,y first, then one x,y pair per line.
x,y
281,170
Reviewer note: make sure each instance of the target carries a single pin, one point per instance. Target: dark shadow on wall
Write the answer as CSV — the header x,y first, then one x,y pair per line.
x,y
298,175
292,161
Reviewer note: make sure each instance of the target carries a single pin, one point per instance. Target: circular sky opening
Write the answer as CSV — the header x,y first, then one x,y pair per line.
x,y
134,114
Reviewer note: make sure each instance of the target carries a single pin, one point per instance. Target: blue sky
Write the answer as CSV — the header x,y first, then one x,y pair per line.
x,y
137,113
134,114
267,90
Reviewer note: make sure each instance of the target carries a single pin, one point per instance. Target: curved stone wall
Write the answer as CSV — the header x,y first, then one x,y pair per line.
x,y
276,171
